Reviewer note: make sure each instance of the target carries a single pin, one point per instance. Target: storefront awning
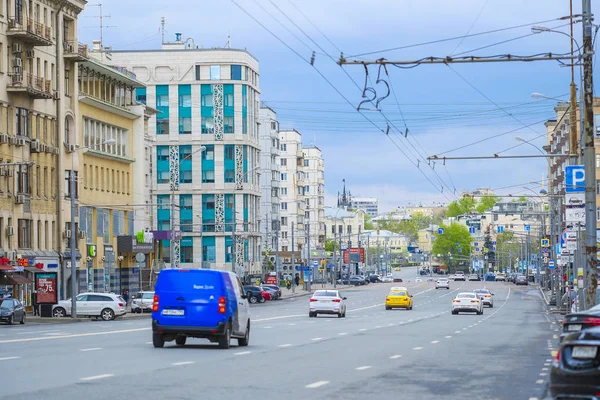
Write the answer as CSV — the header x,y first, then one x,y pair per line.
x,y
14,279
67,254
6,267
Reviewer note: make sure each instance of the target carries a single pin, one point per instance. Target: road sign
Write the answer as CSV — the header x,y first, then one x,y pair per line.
x,y
527,228
493,248
545,242
476,244
571,245
500,229
574,199
457,244
330,266
575,214
471,230
140,257
551,264
494,243
575,178
315,264
476,248
440,231
460,250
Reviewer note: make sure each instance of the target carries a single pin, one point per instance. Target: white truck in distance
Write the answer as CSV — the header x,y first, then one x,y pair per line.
x,y
396,274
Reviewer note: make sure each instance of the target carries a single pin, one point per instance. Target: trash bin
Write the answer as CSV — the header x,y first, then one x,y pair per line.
x,y
46,310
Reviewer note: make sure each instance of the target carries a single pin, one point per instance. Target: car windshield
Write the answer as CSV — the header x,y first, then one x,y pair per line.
x,y
148,296
7,304
397,294
323,293
466,296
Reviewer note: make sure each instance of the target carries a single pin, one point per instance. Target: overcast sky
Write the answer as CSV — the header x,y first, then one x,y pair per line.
x,y
443,107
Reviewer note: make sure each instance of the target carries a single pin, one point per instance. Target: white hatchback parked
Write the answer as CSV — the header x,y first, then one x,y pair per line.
x,y
327,302
107,306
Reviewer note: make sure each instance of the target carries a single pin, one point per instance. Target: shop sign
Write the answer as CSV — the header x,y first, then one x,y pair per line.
x,y
91,249
144,237
45,286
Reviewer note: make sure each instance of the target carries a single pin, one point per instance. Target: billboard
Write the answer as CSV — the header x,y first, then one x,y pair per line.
x,y
355,255
45,286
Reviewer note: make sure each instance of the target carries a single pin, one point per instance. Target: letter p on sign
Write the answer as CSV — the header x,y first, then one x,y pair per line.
x,y
575,177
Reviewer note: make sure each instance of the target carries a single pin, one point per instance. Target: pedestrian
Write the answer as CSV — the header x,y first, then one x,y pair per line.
x,y
34,303
126,296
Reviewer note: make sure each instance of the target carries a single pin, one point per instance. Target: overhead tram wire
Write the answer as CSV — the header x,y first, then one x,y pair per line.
x,y
356,84
456,37
339,93
315,26
471,27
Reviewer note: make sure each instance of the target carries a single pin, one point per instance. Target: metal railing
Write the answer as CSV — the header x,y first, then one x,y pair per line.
x,y
31,26
74,47
30,81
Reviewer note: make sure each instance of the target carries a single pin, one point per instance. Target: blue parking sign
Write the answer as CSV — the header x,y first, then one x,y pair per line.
x,y
440,231
500,229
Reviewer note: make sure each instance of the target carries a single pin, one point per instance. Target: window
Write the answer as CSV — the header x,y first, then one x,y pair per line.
x,y
236,72
306,163
207,99
306,189
162,126
208,125
38,182
598,161
284,206
208,249
197,72
140,95
284,221
209,153
349,229
22,120
186,254
185,99
18,11
23,176
284,235
25,227
162,100
186,213
185,164
227,124
283,147
273,125
284,162
208,176
215,72
284,176
284,191
284,248
597,187
185,126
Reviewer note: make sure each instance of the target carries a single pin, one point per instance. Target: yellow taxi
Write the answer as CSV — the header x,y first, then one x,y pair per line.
x,y
398,297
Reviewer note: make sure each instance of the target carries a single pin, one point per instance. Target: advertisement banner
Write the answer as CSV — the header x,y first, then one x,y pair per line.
x,y
271,280
45,286
355,255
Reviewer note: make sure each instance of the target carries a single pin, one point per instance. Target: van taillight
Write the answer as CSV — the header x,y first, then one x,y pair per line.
x,y
155,303
222,305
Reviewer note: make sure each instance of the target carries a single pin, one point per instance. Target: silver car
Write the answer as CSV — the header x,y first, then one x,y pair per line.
x,y
142,302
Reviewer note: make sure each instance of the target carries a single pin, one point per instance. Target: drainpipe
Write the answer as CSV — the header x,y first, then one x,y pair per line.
x,y
59,156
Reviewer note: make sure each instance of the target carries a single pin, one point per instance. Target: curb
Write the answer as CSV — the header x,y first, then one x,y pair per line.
x,y
313,290
68,320
544,296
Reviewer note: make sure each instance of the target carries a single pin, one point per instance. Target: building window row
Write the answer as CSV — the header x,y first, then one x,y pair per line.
x,y
97,132
102,178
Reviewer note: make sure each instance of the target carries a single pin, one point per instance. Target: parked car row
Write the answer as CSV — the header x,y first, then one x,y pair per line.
x,y
260,294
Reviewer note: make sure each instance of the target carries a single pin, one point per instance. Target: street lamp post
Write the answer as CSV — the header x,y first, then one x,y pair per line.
x,y
73,227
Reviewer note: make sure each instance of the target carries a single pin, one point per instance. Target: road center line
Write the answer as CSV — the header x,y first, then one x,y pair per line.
x,y
93,378
316,384
363,367
183,363
92,349
9,358
435,341
316,339
342,333
447,337
242,353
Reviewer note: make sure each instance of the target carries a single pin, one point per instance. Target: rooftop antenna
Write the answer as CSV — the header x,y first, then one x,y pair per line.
x,y
162,28
102,26
228,45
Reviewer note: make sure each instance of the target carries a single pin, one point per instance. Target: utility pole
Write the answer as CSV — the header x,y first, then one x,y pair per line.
x,y
277,265
308,260
359,247
334,257
589,155
368,245
378,258
293,262
573,101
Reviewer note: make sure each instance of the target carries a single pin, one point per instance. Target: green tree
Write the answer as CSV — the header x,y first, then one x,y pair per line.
x,y
420,220
507,249
369,226
331,245
486,203
445,244
461,206
522,199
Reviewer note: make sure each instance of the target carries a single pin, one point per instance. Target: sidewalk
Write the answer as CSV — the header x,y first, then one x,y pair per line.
x,y
30,319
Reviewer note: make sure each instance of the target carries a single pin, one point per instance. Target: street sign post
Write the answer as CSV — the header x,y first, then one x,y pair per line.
x,y
500,229
440,231
551,264
575,179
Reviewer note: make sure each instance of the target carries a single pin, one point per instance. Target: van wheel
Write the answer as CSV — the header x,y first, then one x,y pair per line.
x,y
158,340
225,340
246,339
180,340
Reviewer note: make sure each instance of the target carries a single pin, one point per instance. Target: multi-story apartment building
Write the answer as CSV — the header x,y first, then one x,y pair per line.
x,y
314,190
370,205
206,153
38,51
347,224
302,194
270,177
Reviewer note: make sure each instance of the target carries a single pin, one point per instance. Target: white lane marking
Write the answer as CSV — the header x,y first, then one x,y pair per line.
x,y
363,367
394,357
32,332
93,378
342,333
418,348
9,358
543,374
366,308
183,363
447,337
378,326
539,381
35,339
316,339
242,353
435,341
291,324
362,330
533,398
280,317
390,324
267,327
148,342
456,331
284,345
93,348
316,384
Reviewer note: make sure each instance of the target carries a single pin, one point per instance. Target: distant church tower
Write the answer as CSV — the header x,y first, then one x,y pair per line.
x,y
344,199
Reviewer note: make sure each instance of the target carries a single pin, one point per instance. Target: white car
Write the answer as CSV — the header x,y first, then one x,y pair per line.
x,y
442,283
142,302
107,306
327,302
467,302
486,297
387,279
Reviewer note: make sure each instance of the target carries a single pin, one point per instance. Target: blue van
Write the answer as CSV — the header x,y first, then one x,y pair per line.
x,y
200,303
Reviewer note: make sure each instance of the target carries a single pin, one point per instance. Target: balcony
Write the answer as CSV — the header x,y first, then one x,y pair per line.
x,y
75,51
34,86
30,32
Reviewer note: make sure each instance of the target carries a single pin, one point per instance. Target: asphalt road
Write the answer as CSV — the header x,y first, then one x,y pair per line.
x,y
426,353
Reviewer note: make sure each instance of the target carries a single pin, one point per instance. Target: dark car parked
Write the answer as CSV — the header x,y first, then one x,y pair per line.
x,y
12,310
357,281
521,280
374,278
275,288
575,372
581,321
254,294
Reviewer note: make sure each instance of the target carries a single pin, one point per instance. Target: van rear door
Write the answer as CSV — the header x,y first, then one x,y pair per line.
x,y
189,298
